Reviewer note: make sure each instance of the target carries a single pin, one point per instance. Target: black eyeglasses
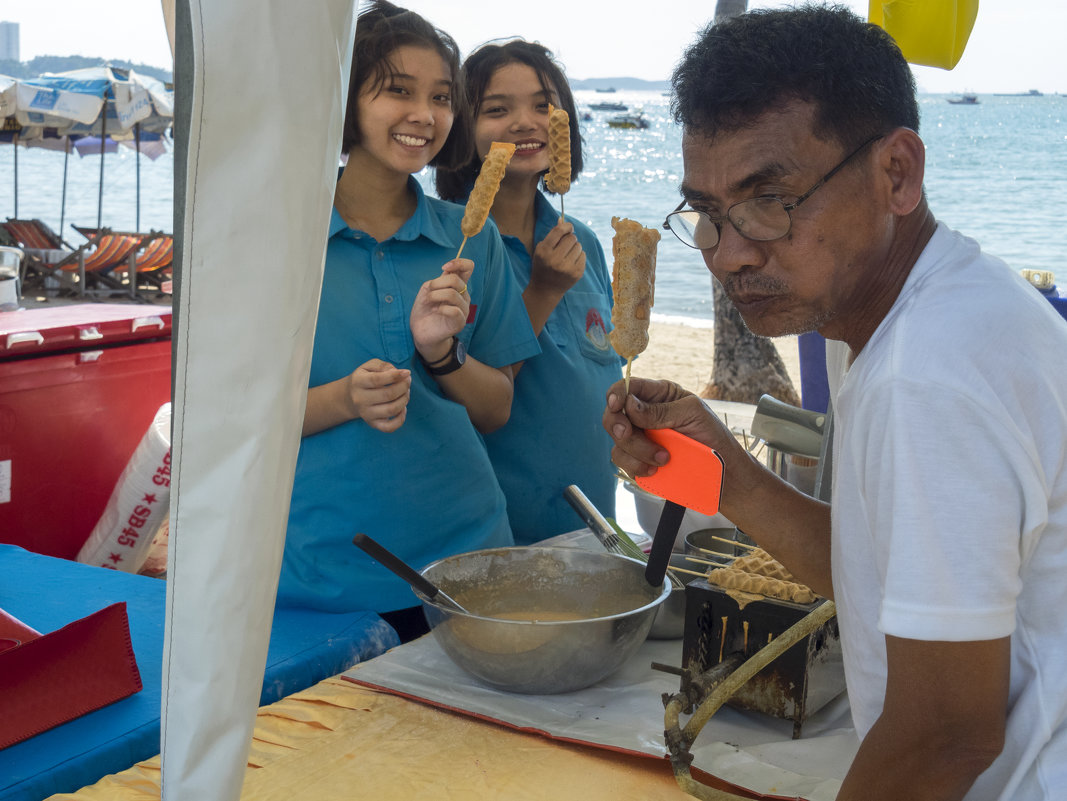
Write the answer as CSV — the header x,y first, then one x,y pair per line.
x,y
761,219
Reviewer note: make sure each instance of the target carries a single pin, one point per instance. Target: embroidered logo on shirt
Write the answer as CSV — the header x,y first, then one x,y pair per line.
x,y
595,330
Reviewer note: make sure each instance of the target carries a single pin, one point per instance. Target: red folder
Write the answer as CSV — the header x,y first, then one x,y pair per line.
x,y
48,679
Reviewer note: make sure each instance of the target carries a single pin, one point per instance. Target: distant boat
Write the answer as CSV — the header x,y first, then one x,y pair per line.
x,y
964,100
606,91
628,121
608,107
1031,93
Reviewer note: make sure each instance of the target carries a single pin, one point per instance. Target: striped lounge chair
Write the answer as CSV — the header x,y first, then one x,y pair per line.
x,y
154,261
43,247
104,252
151,254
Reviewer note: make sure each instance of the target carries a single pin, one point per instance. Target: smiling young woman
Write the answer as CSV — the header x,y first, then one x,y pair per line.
x,y
553,438
413,347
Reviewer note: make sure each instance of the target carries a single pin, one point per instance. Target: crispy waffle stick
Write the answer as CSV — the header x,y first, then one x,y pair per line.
x,y
485,188
730,578
558,179
633,282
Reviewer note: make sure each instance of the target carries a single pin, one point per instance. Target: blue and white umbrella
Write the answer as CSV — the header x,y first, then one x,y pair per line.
x,y
96,100
93,106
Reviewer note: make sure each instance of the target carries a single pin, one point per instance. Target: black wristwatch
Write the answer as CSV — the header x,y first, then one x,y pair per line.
x,y
450,363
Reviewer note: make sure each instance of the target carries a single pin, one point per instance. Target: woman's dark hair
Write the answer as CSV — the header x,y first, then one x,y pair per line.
x,y
478,71
380,30
852,71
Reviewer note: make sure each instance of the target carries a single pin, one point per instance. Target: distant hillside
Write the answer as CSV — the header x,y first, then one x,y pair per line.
x,y
43,64
621,83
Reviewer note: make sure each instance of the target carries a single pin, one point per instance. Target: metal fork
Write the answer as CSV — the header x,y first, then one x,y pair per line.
x,y
614,540
599,525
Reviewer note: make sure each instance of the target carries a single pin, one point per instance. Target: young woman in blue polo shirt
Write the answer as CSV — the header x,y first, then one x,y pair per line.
x,y
413,347
554,437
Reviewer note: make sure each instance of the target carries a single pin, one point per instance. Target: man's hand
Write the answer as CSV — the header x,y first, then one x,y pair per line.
x,y
658,404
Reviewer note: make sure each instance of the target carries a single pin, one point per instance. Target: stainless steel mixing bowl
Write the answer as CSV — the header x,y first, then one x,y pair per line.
x,y
543,620
669,622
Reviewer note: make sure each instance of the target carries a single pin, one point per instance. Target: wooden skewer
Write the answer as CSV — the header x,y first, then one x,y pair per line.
x,y
690,572
735,542
700,561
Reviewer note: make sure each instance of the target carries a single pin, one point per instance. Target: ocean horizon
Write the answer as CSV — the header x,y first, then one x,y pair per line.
x,y
994,171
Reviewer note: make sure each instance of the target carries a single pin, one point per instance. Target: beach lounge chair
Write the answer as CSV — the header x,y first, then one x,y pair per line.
x,y
92,261
151,258
43,247
154,261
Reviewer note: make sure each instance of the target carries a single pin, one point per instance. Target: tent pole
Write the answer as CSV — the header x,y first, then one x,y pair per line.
x,y
63,202
137,157
15,144
100,190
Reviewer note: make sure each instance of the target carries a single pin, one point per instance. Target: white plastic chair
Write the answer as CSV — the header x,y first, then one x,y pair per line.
x,y
10,271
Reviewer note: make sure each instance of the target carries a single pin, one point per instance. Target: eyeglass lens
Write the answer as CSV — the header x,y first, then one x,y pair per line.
x,y
760,218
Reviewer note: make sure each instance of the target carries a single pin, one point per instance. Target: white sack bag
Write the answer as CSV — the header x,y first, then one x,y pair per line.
x,y
138,505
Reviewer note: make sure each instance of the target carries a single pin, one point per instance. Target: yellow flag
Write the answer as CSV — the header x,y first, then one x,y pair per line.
x,y
932,33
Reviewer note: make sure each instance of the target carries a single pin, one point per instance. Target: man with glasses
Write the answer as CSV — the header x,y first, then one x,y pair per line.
x,y
945,542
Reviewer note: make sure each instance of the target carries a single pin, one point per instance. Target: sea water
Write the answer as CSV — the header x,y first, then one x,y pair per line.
x,y
996,171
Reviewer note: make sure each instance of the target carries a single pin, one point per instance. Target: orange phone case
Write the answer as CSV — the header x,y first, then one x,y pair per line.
x,y
693,476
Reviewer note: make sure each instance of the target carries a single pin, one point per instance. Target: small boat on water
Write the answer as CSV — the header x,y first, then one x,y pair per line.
x,y
609,107
606,91
628,121
1031,93
964,100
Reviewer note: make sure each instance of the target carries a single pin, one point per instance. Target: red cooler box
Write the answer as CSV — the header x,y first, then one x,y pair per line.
x,y
79,387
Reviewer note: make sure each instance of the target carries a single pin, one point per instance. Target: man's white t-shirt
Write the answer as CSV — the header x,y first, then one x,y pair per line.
x,y
950,495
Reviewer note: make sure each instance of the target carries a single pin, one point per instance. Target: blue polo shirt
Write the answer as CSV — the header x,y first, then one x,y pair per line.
x,y
427,490
554,436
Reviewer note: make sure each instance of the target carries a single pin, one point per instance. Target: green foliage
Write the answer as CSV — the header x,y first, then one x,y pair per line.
x,y
43,64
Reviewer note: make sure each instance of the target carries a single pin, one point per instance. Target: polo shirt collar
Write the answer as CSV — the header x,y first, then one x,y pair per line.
x,y
427,221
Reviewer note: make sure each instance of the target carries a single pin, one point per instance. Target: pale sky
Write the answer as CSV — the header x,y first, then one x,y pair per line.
x,y
1013,47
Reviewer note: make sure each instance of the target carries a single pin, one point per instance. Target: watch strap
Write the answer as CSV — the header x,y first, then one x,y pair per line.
x,y
449,364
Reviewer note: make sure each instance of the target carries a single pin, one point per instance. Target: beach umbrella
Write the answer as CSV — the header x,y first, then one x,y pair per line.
x,y
8,123
103,102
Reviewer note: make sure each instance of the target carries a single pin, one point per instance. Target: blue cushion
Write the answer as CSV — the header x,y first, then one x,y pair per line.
x,y
47,593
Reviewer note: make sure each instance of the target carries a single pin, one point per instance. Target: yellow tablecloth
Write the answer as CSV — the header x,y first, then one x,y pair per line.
x,y
338,741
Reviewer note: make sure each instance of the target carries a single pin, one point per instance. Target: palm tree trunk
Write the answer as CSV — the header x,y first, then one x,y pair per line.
x,y
745,366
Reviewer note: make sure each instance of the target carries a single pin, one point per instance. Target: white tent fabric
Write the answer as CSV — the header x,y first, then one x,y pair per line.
x,y
267,96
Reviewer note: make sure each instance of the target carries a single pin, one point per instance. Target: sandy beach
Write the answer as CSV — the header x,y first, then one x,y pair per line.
x,y
685,354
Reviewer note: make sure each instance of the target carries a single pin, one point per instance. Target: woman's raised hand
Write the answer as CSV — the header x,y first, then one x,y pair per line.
x,y
441,309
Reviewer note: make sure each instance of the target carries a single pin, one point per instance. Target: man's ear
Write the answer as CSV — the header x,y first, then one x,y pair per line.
x,y
902,156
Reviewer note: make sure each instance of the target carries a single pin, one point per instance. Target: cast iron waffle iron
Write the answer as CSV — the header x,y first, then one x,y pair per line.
x,y
795,685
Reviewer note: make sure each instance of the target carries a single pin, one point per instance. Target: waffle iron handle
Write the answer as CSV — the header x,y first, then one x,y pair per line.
x,y
659,558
